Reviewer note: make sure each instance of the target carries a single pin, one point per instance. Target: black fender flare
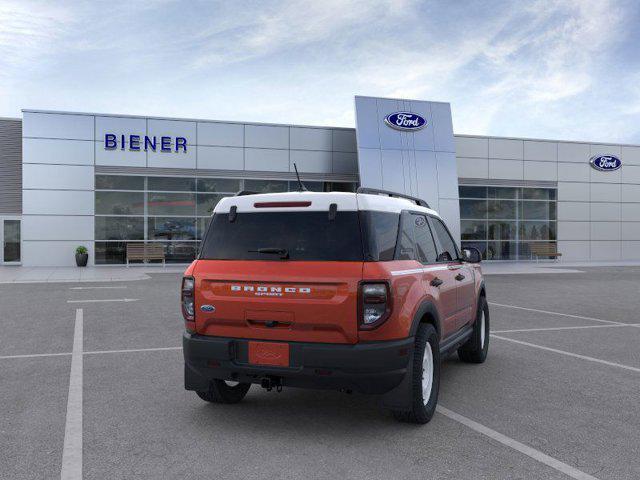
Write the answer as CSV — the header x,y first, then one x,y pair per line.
x,y
426,307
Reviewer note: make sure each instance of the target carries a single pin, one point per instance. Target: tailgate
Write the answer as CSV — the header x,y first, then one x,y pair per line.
x,y
282,300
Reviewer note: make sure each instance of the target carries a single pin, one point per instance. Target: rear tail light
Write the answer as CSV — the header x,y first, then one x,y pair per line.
x,y
375,304
187,298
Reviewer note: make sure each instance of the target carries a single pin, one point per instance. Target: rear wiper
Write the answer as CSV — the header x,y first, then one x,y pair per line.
x,y
284,254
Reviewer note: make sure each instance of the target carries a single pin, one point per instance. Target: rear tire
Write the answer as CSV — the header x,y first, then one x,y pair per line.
x,y
223,392
477,347
425,381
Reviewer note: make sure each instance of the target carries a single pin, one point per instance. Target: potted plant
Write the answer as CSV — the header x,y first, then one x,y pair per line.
x,y
82,256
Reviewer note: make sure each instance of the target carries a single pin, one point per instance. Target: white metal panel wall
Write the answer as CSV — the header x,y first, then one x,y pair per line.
x,y
58,182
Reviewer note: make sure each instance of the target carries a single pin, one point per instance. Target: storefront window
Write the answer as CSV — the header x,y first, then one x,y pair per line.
x,y
171,211
502,222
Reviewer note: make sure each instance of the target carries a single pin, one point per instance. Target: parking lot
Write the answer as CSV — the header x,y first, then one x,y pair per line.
x,y
91,377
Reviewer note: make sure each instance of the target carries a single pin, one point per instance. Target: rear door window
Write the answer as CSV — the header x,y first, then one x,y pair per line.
x,y
447,250
406,242
425,245
308,236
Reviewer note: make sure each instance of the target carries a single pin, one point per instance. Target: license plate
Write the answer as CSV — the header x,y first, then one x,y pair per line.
x,y
268,353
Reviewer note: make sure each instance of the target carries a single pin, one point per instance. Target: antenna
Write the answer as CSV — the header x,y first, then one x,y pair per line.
x,y
300,184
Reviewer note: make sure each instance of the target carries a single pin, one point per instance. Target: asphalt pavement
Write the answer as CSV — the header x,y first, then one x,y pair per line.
x,y
556,398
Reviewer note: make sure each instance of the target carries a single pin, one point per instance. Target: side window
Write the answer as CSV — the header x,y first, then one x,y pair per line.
x,y
425,246
405,249
447,251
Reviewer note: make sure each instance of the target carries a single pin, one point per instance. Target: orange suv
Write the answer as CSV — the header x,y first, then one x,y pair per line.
x,y
361,292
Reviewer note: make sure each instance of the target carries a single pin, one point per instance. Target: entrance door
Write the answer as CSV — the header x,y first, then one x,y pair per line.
x,y
10,240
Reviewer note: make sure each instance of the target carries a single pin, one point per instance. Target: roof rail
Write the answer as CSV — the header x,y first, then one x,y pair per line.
x,y
242,193
377,191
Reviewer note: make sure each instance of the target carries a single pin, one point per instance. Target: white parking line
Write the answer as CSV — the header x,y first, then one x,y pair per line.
x,y
126,300
72,450
35,355
92,352
562,352
557,313
97,288
565,328
514,444
160,349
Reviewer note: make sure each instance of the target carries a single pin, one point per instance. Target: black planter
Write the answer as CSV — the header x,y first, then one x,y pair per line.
x,y
81,259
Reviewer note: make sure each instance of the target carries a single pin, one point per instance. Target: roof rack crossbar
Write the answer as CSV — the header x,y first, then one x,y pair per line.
x,y
377,191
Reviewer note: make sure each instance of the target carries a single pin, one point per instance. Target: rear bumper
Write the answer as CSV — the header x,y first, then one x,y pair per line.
x,y
375,367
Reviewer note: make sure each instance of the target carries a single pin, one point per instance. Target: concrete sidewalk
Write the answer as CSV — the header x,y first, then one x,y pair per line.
x,y
19,274
527,268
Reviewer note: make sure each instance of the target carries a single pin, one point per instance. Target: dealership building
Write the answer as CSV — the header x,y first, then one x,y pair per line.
x,y
106,181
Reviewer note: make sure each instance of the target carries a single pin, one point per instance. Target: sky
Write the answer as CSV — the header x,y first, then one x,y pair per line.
x,y
540,69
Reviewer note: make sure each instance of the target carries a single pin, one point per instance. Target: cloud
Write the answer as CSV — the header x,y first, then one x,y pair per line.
x,y
519,68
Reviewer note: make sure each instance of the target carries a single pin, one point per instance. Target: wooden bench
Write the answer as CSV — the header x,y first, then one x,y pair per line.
x,y
145,252
544,250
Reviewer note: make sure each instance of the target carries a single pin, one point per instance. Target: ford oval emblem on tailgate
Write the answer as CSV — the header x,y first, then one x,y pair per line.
x,y
208,308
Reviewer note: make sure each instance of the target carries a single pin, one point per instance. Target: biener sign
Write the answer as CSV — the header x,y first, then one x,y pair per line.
x,y
145,143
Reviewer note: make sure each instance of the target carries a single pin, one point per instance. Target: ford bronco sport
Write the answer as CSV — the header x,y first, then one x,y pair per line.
x,y
357,292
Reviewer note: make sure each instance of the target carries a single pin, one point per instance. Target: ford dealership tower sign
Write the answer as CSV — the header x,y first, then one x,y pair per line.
x,y
407,146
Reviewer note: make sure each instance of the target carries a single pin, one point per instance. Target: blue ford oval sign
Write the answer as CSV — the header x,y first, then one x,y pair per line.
x,y
605,163
405,121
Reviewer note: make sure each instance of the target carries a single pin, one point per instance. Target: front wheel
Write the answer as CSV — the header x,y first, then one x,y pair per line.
x,y
223,391
476,348
425,382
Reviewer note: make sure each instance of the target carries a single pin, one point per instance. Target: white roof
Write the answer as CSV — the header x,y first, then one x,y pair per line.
x,y
320,201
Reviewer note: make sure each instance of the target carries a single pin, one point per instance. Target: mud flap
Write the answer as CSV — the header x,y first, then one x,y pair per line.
x,y
401,397
193,380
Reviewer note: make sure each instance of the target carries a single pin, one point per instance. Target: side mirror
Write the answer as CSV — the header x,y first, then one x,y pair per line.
x,y
471,255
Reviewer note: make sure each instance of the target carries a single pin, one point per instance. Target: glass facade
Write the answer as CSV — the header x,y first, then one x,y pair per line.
x,y
171,211
503,222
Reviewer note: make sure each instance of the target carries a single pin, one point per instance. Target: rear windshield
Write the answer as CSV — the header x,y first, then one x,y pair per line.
x,y
309,236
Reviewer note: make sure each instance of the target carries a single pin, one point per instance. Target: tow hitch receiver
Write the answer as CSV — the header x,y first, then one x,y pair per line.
x,y
269,383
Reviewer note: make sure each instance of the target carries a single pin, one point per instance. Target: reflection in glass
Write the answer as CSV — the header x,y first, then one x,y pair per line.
x,y
473,209
502,230
11,241
119,228
206,203
502,192
167,228
119,182
473,229
472,192
171,184
227,185
532,210
171,204
502,209
501,251
266,186
119,203
202,224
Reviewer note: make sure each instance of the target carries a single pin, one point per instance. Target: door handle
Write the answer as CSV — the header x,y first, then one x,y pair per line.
x,y
459,277
436,282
